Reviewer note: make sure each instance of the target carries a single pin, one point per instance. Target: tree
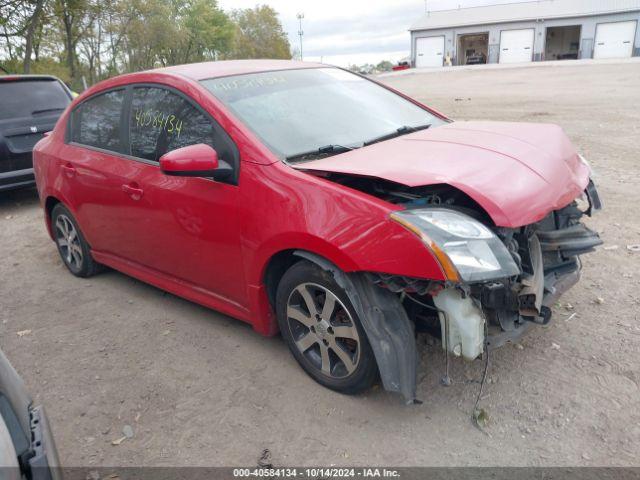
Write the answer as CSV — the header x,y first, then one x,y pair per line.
x,y
170,32
76,18
150,35
32,25
118,20
89,40
384,66
208,31
14,21
259,34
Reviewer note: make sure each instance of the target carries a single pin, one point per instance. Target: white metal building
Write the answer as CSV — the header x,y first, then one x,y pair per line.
x,y
526,32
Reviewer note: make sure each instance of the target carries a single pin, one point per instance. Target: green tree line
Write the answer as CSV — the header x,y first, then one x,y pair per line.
x,y
84,41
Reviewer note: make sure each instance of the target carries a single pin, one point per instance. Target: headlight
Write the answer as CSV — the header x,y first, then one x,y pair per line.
x,y
465,248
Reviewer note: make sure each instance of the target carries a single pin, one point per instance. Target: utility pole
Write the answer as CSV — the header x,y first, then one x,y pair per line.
x,y
300,16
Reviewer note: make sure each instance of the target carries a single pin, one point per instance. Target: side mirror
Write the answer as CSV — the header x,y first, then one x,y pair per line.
x,y
198,160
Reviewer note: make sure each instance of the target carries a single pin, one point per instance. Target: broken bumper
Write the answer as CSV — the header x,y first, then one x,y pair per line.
x,y
548,254
498,337
550,258
470,316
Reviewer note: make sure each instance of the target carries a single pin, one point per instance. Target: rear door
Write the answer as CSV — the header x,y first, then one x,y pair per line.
x,y
29,106
93,170
516,46
430,52
615,40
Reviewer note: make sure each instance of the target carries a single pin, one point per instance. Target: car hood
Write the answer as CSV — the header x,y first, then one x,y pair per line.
x,y
517,172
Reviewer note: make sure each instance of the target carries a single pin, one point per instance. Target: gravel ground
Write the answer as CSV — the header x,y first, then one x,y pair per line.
x,y
199,388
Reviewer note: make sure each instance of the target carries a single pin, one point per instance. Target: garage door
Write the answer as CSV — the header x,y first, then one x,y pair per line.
x,y
614,40
429,52
516,46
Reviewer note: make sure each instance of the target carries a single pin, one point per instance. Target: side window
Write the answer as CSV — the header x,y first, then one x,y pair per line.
x,y
162,121
96,122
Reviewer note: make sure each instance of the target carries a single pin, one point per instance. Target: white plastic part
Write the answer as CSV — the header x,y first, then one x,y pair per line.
x,y
465,327
9,468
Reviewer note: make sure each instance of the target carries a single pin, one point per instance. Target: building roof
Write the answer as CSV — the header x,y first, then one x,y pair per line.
x,y
515,12
205,70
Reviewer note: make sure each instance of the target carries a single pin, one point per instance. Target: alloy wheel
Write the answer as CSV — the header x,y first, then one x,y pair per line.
x,y
323,330
69,242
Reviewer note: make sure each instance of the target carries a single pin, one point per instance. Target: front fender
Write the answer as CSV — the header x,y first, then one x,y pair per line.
x,y
295,210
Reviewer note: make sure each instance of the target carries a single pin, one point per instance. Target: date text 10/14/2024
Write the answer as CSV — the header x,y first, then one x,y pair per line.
x,y
318,472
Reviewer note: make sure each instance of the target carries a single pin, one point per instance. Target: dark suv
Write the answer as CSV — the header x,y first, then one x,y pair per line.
x,y
29,106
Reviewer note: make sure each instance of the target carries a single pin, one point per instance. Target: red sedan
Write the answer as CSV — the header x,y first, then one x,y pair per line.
x,y
311,201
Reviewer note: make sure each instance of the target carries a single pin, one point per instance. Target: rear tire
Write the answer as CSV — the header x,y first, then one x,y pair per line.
x,y
323,331
72,246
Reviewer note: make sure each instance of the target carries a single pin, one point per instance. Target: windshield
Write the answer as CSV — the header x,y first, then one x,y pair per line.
x,y
325,110
26,98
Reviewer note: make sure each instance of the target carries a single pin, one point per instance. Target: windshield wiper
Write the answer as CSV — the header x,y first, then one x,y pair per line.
x,y
35,112
334,148
327,149
399,132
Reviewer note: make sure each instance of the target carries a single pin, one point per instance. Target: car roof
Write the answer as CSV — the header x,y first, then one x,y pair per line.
x,y
19,77
225,68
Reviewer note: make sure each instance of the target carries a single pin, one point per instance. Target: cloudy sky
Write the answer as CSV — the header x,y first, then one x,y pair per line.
x,y
342,32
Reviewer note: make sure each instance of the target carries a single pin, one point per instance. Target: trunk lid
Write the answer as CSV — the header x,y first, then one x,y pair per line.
x,y
31,106
18,139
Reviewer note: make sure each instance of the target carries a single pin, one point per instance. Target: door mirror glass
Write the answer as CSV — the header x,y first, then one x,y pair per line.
x,y
198,160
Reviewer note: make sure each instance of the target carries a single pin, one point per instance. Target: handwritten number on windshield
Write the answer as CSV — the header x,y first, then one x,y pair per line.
x,y
160,120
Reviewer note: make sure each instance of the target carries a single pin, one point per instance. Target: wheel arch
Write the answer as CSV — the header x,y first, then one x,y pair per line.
x,y
281,261
383,318
276,267
49,204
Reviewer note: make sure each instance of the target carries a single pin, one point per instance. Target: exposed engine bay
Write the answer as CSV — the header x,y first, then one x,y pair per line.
x,y
411,197
471,316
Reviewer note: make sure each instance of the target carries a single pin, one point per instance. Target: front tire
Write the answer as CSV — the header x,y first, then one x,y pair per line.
x,y
72,246
323,331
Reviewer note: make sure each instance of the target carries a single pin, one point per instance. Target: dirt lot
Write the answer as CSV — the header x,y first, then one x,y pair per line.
x,y
199,388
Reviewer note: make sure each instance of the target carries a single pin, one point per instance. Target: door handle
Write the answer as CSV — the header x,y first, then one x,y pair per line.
x,y
133,191
69,170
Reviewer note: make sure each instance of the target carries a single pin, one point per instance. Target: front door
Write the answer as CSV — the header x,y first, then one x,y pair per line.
x,y
186,227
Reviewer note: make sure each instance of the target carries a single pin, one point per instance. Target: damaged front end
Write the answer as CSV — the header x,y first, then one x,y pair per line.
x,y
548,254
508,277
500,281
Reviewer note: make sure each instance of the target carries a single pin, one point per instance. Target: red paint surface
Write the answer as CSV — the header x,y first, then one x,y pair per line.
x,y
194,158
518,172
211,242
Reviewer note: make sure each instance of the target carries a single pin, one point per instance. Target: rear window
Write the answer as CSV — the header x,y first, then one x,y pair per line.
x,y
96,122
31,98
